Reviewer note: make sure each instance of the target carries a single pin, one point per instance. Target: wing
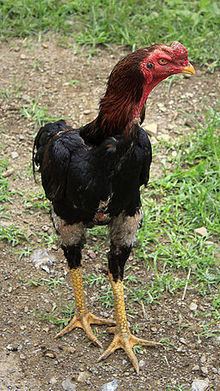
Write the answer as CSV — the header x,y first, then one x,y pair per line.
x,y
55,144
145,152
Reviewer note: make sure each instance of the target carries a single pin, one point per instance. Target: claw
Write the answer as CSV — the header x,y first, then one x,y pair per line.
x,y
126,341
84,321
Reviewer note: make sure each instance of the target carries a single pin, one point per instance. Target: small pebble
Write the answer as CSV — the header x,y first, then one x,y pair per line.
x,y
68,385
8,173
204,370
202,231
14,155
53,380
196,368
12,348
91,254
161,107
50,354
142,363
111,386
83,376
193,306
200,385
69,349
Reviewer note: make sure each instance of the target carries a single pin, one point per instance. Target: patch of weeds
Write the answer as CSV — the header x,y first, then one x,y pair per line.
x,y
167,342
5,194
106,297
98,232
175,205
5,93
176,388
12,235
138,349
38,65
23,252
47,239
94,279
51,283
61,319
209,330
216,308
161,283
34,112
14,91
131,278
35,201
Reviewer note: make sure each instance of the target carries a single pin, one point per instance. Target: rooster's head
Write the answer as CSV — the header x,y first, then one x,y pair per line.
x,y
132,80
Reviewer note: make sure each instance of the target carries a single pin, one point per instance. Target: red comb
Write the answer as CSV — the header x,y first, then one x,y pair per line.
x,y
179,50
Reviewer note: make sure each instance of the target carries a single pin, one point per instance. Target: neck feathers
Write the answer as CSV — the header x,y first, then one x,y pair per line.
x,y
122,105
123,95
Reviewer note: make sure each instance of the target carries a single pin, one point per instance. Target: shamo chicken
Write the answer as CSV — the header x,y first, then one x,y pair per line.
x,y
93,174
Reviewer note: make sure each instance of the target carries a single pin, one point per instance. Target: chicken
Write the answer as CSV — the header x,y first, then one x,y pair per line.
x,y
92,175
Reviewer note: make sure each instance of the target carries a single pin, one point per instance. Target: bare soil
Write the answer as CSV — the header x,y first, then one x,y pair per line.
x,y
31,358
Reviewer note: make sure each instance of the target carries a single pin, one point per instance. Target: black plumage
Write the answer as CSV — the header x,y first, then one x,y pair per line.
x,y
78,178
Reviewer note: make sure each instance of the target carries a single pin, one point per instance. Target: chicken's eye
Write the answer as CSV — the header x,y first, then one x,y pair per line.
x,y
163,61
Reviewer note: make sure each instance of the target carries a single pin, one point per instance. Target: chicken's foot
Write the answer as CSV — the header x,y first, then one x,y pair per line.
x,y
123,339
83,318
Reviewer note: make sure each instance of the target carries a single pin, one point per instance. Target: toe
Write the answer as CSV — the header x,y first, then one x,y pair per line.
x,y
99,321
88,330
112,347
144,342
72,325
131,356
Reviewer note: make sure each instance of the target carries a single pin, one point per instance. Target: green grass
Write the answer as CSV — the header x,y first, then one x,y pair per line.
x,y
38,114
61,319
12,92
46,239
37,201
134,22
4,184
51,283
177,204
13,235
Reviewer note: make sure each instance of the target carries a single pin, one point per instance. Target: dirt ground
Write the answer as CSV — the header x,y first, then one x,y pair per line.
x,y
70,83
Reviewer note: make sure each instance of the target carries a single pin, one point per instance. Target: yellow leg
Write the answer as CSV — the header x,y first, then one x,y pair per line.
x,y
123,339
83,318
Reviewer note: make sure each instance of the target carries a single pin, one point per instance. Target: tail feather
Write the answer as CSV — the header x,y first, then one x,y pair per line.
x,y
45,133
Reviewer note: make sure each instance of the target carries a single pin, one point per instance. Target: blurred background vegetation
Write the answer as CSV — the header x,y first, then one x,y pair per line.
x,y
134,23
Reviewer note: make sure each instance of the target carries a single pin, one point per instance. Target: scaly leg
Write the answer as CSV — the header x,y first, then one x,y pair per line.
x,y
122,231
123,339
83,318
72,243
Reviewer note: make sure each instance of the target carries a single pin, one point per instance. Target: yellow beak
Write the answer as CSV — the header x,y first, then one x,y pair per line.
x,y
189,69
